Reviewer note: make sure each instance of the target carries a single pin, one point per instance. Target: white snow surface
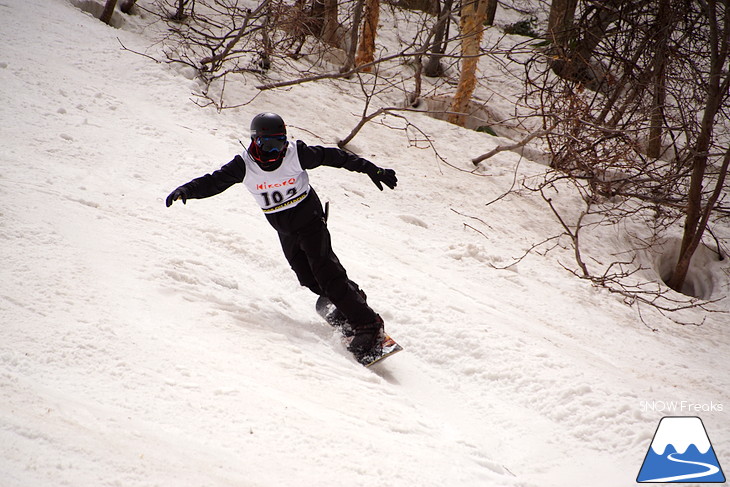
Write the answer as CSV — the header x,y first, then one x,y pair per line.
x,y
151,346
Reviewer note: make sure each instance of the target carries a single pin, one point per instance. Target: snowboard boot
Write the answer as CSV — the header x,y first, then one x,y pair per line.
x,y
338,318
366,338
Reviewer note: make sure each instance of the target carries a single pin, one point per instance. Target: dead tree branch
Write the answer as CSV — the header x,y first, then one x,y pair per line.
x,y
516,145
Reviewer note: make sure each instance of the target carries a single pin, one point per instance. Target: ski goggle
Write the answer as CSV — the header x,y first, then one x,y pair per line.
x,y
271,143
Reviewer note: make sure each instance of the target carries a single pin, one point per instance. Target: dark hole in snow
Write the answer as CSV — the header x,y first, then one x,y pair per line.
x,y
700,281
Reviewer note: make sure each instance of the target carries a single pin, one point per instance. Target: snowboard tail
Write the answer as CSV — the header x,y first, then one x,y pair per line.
x,y
383,349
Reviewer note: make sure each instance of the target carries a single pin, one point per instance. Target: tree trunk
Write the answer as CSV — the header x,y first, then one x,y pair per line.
x,y
126,6
433,66
560,23
491,11
179,14
717,87
366,47
659,89
473,13
106,14
322,21
330,25
354,30
696,222
573,63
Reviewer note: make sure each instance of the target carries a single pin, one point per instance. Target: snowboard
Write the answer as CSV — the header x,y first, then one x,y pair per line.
x,y
382,350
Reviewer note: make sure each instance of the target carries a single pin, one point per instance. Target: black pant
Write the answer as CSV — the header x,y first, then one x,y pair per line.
x,y
308,249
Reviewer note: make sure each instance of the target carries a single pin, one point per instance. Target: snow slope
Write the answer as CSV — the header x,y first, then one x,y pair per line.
x,y
142,345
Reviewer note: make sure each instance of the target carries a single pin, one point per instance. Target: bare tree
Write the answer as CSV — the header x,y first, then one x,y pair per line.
x,y
662,32
330,32
717,90
573,52
639,144
354,29
560,30
366,46
433,67
473,15
320,20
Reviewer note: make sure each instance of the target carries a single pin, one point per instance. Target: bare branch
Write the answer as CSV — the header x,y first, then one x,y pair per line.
x,y
217,58
516,145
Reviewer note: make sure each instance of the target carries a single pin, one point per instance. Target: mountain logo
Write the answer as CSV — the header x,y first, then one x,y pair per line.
x,y
681,452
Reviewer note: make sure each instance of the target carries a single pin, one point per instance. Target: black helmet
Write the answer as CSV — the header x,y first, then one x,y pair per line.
x,y
268,138
267,124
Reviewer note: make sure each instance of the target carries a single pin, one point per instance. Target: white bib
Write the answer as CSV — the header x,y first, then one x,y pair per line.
x,y
280,189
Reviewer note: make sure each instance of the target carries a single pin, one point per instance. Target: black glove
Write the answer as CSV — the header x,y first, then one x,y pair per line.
x,y
380,175
180,193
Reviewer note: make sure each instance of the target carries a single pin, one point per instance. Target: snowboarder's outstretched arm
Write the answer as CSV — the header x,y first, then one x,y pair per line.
x,y
210,184
314,156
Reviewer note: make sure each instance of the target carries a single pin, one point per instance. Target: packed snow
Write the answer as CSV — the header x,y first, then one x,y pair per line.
x,y
143,345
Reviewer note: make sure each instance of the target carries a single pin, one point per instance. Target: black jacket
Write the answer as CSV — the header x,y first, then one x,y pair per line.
x,y
294,219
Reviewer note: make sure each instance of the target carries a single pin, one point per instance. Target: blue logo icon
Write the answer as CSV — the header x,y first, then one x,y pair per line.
x,y
681,452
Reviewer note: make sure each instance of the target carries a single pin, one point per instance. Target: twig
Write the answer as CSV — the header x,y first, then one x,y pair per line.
x,y
222,55
125,48
337,75
473,218
516,145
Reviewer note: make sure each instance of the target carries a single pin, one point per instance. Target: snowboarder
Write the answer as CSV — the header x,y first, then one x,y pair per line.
x,y
274,170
